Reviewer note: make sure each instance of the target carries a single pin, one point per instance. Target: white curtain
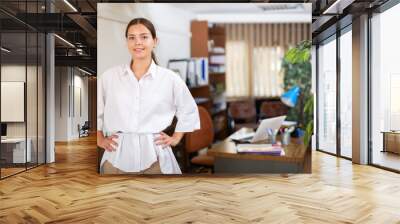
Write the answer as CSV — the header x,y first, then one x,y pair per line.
x,y
237,67
268,77
254,53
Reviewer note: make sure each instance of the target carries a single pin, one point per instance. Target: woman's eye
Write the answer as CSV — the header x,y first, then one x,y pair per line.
x,y
131,38
144,37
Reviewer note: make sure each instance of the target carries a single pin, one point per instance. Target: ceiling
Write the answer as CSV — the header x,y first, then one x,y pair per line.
x,y
330,15
249,12
224,8
79,27
72,20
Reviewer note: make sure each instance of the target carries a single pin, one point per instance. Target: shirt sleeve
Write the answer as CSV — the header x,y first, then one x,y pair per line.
x,y
187,112
100,103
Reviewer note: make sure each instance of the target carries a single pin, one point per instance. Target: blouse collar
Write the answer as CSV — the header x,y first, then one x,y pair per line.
x,y
151,72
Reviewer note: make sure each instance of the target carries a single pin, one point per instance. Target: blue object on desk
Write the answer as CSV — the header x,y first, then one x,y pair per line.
x,y
298,132
290,97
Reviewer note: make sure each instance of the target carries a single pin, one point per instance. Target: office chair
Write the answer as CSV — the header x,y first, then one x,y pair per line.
x,y
273,108
243,114
200,139
84,130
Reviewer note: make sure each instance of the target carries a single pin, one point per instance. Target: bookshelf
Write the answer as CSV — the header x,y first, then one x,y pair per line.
x,y
209,41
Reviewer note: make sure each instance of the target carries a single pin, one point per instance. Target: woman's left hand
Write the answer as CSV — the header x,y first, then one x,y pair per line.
x,y
166,140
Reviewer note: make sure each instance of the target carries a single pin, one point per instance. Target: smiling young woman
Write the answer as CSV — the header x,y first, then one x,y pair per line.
x,y
135,102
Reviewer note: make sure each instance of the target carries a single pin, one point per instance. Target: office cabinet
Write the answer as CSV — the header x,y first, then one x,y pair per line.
x,y
210,42
391,142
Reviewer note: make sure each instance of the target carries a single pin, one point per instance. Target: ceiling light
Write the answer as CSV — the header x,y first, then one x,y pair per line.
x,y
331,7
338,6
64,40
5,50
70,5
84,71
280,7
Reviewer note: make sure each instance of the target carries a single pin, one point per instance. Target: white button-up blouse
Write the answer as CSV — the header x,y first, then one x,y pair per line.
x,y
137,111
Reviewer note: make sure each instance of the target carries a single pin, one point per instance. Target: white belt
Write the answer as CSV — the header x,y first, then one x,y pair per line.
x,y
138,151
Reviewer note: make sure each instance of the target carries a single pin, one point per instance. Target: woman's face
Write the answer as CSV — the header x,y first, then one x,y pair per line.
x,y
140,42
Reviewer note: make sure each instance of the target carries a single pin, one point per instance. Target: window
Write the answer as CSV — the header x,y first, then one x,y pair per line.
x,y
254,53
385,86
327,96
346,93
22,65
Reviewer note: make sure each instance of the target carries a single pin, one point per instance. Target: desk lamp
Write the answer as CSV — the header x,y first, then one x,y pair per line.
x,y
290,97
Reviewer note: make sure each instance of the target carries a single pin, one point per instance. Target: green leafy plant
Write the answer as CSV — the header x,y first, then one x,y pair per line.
x,y
296,66
309,111
299,54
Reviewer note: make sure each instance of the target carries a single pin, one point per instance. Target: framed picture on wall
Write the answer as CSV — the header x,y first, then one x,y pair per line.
x,y
12,101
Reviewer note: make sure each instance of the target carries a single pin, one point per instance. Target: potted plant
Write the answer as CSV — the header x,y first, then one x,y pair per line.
x,y
296,66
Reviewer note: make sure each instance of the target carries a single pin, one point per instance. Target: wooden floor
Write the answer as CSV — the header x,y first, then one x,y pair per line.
x,y
387,159
10,171
70,191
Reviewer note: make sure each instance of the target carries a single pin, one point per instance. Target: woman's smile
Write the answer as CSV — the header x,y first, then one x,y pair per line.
x,y
138,50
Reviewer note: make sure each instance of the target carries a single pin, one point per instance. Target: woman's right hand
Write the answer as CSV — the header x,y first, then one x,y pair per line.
x,y
108,143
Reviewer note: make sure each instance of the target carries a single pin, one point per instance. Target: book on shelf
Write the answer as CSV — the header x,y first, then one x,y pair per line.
x,y
217,59
217,50
216,68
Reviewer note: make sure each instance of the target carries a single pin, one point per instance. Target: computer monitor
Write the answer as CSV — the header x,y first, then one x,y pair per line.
x,y
3,129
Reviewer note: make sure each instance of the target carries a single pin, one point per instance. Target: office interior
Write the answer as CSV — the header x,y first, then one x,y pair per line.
x,y
220,51
234,101
46,82
355,142
357,113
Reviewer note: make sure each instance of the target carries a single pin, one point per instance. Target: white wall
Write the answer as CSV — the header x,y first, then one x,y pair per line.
x,y
66,119
33,126
172,27
80,82
15,73
12,73
61,103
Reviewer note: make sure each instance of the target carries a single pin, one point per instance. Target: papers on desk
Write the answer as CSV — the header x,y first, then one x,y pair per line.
x,y
266,149
239,136
289,123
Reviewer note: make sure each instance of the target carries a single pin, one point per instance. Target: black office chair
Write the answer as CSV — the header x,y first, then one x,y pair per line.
x,y
84,130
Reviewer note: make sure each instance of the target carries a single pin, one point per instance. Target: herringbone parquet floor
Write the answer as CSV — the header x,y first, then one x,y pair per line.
x,y
70,191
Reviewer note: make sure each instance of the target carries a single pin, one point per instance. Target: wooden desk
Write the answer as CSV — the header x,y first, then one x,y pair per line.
x,y
13,150
227,160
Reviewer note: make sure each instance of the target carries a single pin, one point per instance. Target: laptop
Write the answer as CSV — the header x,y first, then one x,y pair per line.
x,y
261,132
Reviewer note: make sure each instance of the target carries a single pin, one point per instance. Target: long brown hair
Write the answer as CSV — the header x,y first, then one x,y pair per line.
x,y
149,26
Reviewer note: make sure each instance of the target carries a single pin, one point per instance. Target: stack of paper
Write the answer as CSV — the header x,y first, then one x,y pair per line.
x,y
267,149
241,135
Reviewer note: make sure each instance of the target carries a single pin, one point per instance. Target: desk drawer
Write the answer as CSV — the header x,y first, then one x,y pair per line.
x,y
16,152
6,154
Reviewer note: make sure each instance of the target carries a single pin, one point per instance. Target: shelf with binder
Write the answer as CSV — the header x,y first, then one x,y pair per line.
x,y
209,41
194,71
